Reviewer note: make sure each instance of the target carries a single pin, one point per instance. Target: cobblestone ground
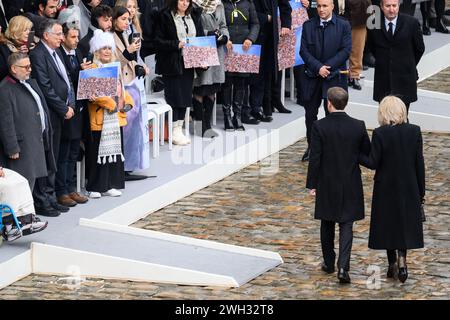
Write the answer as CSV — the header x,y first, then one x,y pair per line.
x,y
439,82
275,213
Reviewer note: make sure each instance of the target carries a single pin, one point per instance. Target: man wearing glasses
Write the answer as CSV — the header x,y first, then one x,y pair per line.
x,y
51,75
25,127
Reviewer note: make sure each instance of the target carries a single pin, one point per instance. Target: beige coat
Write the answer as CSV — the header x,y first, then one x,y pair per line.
x,y
128,73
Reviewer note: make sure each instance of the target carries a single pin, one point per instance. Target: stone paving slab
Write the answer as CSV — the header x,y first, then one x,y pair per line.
x,y
274,212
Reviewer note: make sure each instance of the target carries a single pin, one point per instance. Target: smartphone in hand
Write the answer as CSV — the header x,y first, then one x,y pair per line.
x,y
135,37
30,40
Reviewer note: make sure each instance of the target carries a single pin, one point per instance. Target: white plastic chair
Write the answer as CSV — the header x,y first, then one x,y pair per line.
x,y
153,116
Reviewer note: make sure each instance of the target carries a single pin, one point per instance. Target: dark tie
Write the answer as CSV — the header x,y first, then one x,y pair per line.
x,y
73,62
391,29
322,32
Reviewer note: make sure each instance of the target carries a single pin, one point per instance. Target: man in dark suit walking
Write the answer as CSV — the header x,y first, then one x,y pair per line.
x,y
51,74
334,177
325,48
398,47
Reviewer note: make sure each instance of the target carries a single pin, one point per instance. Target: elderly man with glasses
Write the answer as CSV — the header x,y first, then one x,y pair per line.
x,y
24,137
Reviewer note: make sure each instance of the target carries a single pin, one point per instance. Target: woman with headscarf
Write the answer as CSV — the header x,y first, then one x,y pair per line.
x,y
208,83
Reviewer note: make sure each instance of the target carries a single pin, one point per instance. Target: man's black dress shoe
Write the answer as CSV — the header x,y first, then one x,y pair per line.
x,y
327,269
59,207
356,85
392,271
306,155
262,117
343,276
282,109
47,211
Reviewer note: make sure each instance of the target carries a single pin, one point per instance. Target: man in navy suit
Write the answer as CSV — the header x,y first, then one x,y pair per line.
x,y
325,48
51,74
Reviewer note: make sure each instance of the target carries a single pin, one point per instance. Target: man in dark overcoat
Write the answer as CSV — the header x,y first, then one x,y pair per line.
x,y
334,177
263,83
398,47
25,129
325,48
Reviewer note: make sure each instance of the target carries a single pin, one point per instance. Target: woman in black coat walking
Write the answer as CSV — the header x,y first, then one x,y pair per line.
x,y
175,23
399,185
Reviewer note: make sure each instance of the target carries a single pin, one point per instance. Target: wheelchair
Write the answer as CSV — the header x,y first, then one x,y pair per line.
x,y
5,211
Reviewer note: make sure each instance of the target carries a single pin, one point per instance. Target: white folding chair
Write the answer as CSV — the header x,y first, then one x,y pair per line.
x,y
153,117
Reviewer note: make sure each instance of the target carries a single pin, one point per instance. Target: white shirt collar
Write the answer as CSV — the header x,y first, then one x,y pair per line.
x,y
69,53
394,22
50,50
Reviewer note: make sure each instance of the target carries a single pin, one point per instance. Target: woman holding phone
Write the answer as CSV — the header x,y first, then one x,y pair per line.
x,y
126,52
18,38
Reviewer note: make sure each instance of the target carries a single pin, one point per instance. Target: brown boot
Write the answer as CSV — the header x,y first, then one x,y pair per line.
x,y
78,198
65,200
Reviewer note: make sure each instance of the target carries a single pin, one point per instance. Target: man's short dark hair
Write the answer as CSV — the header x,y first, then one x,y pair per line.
x,y
100,11
16,56
338,97
173,5
66,28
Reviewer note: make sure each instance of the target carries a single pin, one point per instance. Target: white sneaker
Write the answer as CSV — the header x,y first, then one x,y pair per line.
x,y
94,195
177,135
35,226
112,193
12,233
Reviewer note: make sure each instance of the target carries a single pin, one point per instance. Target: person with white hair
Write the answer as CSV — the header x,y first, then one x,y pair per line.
x,y
396,155
104,155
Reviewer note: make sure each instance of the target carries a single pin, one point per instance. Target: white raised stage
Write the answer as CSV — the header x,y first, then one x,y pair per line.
x,y
95,240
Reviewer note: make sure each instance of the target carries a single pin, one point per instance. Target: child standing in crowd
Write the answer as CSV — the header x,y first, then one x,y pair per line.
x,y
207,84
107,117
243,26
176,22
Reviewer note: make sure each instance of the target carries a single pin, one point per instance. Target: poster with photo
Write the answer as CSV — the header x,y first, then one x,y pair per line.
x,y
241,61
200,52
299,14
98,82
289,50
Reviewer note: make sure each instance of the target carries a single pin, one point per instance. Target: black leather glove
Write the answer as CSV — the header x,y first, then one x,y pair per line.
x,y
139,71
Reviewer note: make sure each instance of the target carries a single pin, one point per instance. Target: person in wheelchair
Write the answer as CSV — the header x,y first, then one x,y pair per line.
x,y
15,192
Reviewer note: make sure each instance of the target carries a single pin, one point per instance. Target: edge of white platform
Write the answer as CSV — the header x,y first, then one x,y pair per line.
x,y
426,121
15,269
206,175
180,239
77,265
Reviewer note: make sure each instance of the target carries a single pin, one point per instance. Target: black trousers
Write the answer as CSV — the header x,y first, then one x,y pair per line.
x,y
312,109
44,188
233,90
345,243
265,91
178,114
67,162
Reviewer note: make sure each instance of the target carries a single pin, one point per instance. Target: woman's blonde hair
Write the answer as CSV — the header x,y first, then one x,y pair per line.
x,y
392,111
135,21
17,26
